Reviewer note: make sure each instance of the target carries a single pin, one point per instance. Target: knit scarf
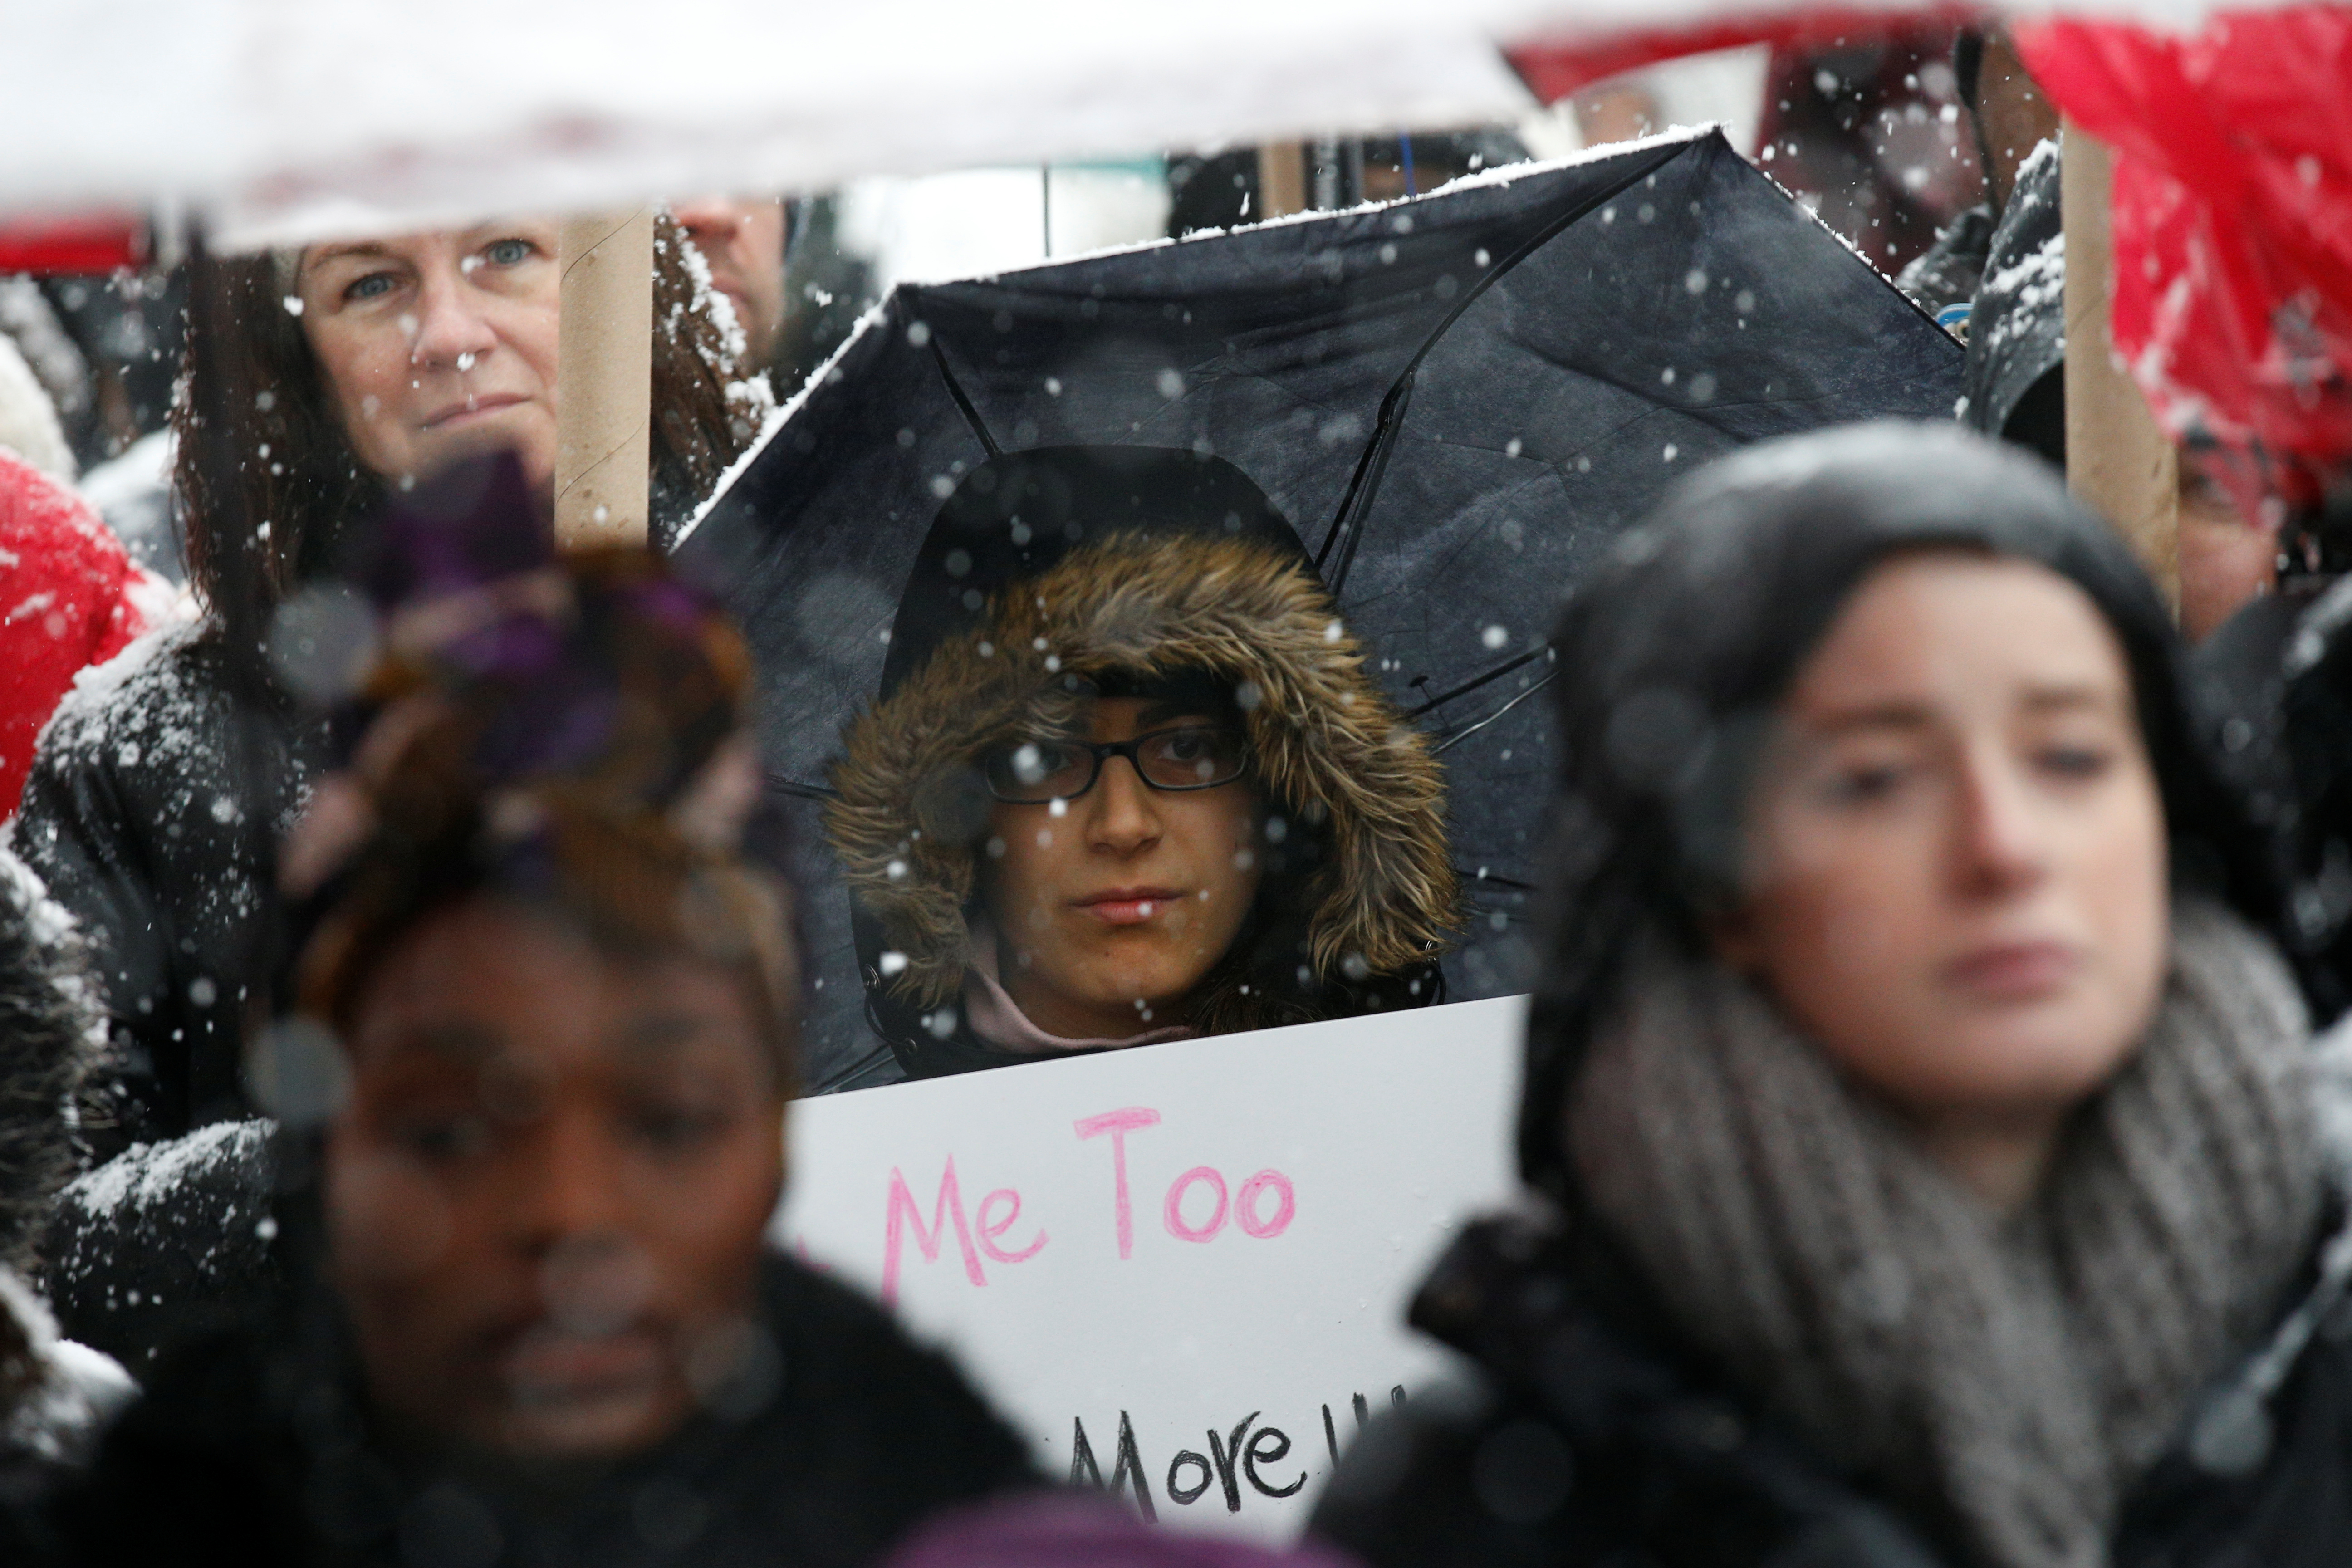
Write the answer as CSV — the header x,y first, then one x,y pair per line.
x,y
2003,1379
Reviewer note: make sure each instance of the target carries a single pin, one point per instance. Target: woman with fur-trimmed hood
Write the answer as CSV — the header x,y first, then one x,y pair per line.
x,y
1128,781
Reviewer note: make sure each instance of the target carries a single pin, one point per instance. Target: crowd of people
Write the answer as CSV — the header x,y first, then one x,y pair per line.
x,y
1935,1149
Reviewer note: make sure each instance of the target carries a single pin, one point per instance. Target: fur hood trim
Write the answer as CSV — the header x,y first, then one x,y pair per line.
x,y
1326,742
52,1039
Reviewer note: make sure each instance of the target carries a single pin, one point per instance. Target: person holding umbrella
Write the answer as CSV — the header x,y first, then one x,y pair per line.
x,y
1929,1159
1129,781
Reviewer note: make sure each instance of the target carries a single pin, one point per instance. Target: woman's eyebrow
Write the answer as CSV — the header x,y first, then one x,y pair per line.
x,y
466,1043
652,1034
2084,694
1160,713
365,249
1895,713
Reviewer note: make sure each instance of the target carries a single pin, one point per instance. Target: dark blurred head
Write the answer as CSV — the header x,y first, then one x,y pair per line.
x,y
556,1000
1851,695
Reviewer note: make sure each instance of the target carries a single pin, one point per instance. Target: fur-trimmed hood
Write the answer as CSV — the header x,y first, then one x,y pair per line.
x,y
52,1035
1328,743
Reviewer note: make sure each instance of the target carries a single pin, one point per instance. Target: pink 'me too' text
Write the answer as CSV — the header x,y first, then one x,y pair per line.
x,y
1198,1207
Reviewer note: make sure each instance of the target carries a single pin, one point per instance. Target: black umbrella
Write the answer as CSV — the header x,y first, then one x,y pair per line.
x,y
1454,401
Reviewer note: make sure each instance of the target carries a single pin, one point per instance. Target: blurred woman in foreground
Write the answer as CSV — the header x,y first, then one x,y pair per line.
x,y
1932,1165
530,1082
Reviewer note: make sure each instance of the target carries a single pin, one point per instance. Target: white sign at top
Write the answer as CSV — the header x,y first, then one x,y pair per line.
x,y
1183,1269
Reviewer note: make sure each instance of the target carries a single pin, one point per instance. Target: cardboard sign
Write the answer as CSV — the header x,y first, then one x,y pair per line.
x,y
1181,1269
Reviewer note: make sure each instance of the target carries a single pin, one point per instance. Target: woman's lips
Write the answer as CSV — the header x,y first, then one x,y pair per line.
x,y
551,1362
1128,906
2014,971
472,410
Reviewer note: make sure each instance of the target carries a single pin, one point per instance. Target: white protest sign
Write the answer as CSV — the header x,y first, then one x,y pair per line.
x,y
1198,1254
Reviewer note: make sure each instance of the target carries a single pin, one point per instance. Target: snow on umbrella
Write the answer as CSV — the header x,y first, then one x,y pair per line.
x,y
1455,402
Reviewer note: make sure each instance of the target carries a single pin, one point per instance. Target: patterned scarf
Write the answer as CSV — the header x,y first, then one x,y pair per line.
x,y
2003,1378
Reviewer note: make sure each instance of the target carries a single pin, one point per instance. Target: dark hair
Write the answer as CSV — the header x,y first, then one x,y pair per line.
x,y
260,444
569,746
1968,64
1675,654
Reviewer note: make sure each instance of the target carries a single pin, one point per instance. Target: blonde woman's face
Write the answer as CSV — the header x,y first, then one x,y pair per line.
x,y
1955,867
440,345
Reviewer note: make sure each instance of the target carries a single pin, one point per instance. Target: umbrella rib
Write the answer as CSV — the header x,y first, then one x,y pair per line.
x,y
1496,878
1459,736
862,1065
1364,486
963,403
1475,682
799,791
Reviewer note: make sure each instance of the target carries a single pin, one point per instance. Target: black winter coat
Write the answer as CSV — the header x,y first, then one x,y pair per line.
x,y
2274,688
251,1452
1590,1433
151,814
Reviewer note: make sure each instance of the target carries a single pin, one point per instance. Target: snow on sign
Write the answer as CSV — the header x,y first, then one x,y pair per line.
x,y
1183,1269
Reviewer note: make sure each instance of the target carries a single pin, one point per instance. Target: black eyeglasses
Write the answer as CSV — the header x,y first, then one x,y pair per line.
x,y
1191,756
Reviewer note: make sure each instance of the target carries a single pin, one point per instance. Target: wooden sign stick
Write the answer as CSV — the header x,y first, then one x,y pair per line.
x,y
2118,461
605,378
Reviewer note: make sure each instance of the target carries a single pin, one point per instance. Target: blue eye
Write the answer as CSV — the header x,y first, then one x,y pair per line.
x,y
372,286
507,252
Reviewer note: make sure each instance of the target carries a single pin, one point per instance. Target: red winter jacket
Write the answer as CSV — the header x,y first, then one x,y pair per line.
x,y
69,598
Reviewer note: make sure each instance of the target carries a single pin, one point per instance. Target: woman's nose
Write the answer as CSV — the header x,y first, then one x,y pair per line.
x,y
1124,818
452,330
2000,839
571,1187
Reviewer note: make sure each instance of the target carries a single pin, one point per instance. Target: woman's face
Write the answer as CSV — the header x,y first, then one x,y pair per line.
x,y
438,345
1956,869
1110,908
546,1191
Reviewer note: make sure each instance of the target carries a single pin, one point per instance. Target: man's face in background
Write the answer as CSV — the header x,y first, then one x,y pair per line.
x,y
743,241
